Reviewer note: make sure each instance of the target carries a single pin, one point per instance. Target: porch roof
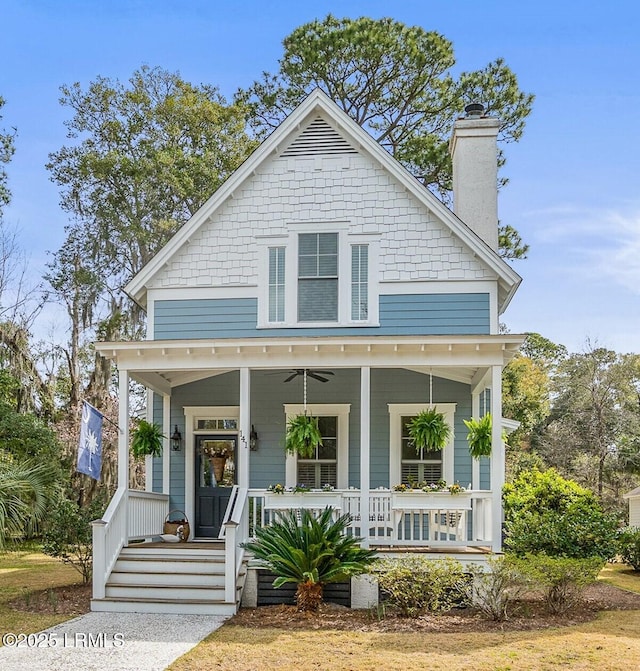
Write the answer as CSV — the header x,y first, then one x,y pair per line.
x,y
163,364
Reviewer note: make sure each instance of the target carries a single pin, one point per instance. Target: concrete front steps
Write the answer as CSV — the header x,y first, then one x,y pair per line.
x,y
184,578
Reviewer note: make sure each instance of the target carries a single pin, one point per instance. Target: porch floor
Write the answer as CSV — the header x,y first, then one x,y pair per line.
x,y
423,549
213,544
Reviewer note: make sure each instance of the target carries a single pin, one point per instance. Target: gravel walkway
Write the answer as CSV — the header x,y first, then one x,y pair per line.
x,y
108,642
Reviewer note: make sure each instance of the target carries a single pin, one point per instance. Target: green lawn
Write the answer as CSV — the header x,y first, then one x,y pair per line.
x,y
22,573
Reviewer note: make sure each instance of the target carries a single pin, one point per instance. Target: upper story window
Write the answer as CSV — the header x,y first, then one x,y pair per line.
x,y
318,277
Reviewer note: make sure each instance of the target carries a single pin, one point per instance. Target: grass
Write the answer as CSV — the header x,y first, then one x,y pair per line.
x,y
609,643
23,572
621,576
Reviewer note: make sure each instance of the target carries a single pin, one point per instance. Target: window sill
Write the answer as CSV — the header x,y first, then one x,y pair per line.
x,y
316,325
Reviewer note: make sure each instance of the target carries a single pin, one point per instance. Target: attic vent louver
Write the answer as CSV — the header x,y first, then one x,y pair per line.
x,y
318,138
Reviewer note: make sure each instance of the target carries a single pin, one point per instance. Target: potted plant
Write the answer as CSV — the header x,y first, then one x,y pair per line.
x,y
303,435
479,436
146,440
429,430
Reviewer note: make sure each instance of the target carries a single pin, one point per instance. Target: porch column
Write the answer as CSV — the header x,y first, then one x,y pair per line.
x,y
475,463
497,457
245,428
123,434
365,450
166,447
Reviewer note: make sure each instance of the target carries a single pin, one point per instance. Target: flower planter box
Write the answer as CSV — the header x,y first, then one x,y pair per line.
x,y
419,500
299,500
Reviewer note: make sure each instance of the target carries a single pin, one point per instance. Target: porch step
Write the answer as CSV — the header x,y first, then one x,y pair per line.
x,y
156,578
147,577
178,607
163,565
172,591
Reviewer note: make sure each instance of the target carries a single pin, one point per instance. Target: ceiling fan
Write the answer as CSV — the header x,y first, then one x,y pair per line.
x,y
315,374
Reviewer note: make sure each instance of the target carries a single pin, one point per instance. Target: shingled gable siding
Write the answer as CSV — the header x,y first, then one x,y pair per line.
x,y
420,314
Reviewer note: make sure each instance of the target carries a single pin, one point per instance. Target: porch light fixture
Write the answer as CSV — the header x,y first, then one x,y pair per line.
x,y
253,439
176,440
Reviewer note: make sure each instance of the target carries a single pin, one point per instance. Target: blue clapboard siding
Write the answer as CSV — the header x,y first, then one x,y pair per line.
x,y
428,314
402,386
269,393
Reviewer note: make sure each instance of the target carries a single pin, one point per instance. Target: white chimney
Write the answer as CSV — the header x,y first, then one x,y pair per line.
x,y
474,152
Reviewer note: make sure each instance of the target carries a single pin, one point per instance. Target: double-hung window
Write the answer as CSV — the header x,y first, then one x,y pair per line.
x,y
318,277
329,463
322,279
418,465
408,465
321,468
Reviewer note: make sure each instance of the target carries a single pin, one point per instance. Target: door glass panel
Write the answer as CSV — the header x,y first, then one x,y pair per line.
x,y
217,463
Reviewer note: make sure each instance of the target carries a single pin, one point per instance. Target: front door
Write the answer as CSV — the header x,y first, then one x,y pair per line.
x,y
215,470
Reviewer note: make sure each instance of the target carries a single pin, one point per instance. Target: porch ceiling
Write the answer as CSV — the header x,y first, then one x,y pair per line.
x,y
163,364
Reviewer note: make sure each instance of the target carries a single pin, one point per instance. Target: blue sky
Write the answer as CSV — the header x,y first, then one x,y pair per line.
x,y
574,178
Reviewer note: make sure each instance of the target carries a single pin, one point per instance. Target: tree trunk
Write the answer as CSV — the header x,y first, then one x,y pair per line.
x,y
309,596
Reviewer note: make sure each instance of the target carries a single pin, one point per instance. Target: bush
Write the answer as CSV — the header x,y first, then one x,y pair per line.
x,y
545,513
629,547
310,552
416,585
69,536
562,580
494,588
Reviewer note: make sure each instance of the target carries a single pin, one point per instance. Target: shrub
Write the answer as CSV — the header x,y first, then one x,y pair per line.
x,y
310,552
495,587
545,513
629,547
69,535
416,585
562,580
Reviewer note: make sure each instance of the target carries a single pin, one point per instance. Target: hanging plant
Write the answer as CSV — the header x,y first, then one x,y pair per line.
x,y
479,436
303,436
146,440
429,430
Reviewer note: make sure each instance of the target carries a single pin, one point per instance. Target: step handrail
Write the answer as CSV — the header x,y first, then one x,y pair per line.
x,y
234,531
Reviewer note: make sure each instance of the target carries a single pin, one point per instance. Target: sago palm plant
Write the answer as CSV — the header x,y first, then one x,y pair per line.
x,y
309,551
25,496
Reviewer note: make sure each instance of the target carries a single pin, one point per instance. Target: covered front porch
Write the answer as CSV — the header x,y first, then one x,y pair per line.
x,y
234,390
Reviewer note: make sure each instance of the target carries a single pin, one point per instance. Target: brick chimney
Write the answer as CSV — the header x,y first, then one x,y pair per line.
x,y
474,152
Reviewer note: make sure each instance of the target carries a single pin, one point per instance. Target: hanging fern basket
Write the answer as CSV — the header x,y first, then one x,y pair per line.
x,y
429,430
146,440
303,436
480,436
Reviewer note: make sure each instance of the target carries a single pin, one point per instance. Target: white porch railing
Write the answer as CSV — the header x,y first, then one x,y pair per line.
x,y
438,519
146,514
131,514
235,531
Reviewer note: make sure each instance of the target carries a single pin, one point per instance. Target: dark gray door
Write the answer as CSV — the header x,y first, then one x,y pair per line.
x,y
215,470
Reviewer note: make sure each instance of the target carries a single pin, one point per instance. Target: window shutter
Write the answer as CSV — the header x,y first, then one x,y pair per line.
x,y
276,284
